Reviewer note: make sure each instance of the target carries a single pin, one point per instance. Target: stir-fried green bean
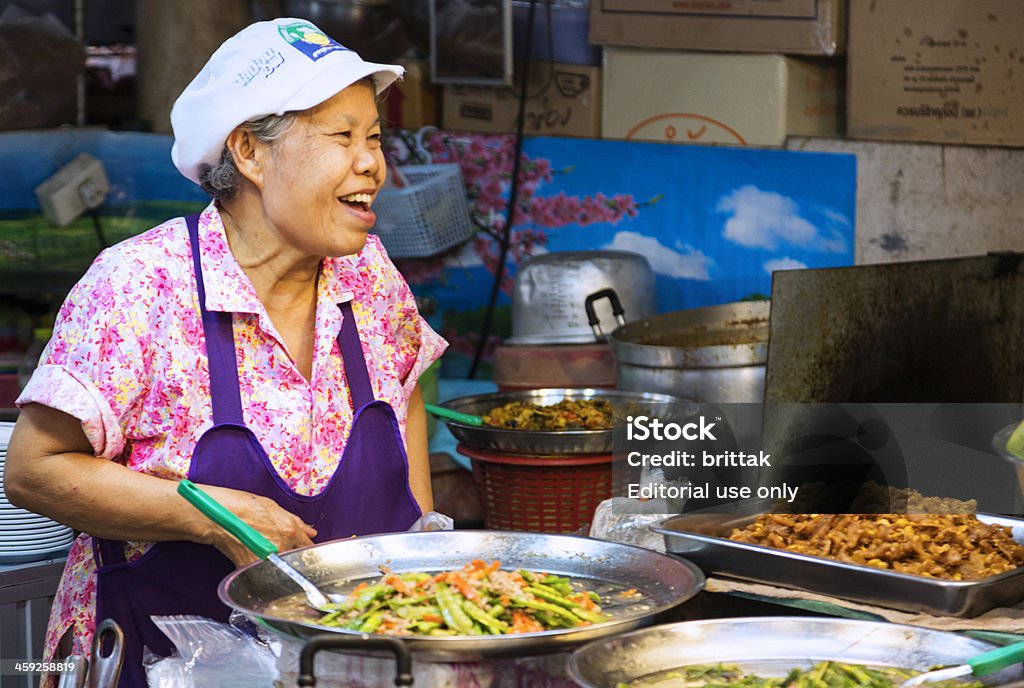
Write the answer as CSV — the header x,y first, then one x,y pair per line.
x,y
821,675
479,599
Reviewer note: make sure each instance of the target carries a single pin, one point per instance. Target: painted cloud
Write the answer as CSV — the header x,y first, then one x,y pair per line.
x,y
687,263
765,219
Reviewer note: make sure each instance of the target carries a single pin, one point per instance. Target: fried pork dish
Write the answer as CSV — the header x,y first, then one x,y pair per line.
x,y
479,599
955,547
568,414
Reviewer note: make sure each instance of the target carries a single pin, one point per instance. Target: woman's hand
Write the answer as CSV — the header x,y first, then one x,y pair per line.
x,y
51,470
283,528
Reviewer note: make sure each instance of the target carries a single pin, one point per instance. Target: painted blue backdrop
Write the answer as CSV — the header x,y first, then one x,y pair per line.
x,y
714,222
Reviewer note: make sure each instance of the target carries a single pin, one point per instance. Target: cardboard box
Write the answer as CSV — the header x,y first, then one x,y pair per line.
x,y
564,100
806,27
413,102
943,71
733,99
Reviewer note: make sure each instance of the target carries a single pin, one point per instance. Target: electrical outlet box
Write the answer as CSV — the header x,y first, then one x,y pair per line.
x,y
79,186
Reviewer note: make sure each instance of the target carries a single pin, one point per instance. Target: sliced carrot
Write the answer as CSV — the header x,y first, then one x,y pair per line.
x,y
467,590
434,618
398,584
524,623
583,599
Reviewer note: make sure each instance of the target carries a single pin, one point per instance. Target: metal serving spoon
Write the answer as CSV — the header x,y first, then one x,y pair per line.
x,y
257,544
982,665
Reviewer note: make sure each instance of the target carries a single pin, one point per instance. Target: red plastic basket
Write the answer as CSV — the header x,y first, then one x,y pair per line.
x,y
546,494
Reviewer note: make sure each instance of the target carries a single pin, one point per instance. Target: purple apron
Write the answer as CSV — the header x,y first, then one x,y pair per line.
x,y
368,493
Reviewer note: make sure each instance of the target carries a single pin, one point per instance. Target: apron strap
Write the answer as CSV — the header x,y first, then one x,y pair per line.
x,y
352,358
220,345
107,552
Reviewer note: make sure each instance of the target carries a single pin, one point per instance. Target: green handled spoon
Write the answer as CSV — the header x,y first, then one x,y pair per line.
x,y
442,412
982,665
255,542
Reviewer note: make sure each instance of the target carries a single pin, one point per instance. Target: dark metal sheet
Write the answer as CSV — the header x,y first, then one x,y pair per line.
x,y
929,331
899,373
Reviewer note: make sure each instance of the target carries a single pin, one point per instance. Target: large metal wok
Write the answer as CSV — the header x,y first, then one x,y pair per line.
x,y
663,581
771,646
562,442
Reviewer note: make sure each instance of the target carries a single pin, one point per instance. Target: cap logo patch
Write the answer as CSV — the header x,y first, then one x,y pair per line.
x,y
309,40
264,63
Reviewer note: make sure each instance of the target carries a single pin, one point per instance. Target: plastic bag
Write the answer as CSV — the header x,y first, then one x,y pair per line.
x,y
622,519
432,520
210,653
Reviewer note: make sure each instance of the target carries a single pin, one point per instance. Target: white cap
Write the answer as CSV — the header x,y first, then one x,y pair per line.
x,y
269,67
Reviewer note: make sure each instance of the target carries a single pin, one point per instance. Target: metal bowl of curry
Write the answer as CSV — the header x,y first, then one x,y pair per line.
x,y
528,440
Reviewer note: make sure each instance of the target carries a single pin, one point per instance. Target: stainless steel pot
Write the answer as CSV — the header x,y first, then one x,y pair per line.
x,y
553,293
714,354
771,646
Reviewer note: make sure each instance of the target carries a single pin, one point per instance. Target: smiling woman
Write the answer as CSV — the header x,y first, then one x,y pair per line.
x,y
266,349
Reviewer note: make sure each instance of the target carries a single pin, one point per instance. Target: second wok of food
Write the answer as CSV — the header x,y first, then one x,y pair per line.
x,y
567,414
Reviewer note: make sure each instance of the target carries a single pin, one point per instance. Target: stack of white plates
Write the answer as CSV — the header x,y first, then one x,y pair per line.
x,y
25,536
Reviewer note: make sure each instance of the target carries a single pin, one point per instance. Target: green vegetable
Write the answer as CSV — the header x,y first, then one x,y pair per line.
x,y
546,607
371,623
363,598
577,609
822,675
452,611
492,625
417,612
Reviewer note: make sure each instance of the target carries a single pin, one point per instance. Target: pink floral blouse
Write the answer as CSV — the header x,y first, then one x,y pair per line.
x,y
128,358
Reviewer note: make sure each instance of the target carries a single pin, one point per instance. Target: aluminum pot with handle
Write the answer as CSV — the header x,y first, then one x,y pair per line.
x,y
577,297
105,663
713,354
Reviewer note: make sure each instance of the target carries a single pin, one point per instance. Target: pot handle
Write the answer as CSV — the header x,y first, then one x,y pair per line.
x,y
105,669
617,310
327,641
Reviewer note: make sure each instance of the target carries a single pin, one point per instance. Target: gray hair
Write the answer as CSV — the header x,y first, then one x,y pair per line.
x,y
223,180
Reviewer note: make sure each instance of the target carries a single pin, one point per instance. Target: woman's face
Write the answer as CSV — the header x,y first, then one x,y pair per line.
x,y
320,179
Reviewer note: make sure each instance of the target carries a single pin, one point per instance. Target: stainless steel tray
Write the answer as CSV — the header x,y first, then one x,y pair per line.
x,y
663,582
703,539
561,442
771,646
